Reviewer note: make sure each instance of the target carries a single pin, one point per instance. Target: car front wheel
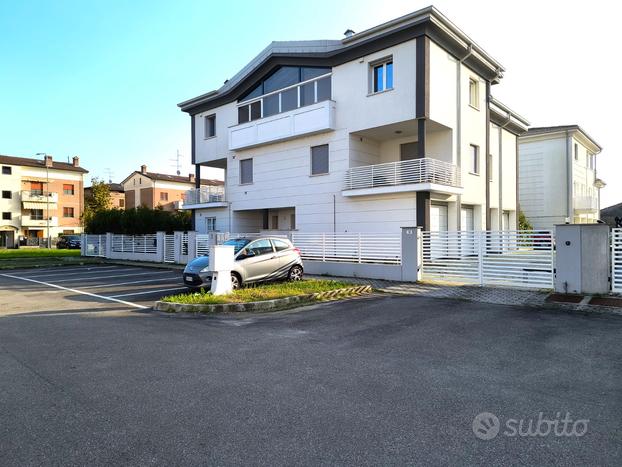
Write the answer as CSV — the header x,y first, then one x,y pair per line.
x,y
295,273
235,281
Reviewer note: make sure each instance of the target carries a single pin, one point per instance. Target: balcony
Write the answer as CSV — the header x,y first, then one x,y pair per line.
x,y
29,221
425,174
205,197
37,196
585,204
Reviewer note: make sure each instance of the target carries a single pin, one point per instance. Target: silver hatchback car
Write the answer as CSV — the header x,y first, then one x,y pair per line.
x,y
256,260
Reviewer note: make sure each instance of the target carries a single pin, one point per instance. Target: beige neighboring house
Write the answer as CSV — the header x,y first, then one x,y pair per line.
x,y
40,198
117,195
151,189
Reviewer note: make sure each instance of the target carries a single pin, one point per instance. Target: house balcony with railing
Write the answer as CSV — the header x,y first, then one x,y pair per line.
x,y
586,204
424,174
301,109
205,197
39,196
38,221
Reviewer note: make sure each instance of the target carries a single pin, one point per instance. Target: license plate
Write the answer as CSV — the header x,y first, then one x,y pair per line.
x,y
188,278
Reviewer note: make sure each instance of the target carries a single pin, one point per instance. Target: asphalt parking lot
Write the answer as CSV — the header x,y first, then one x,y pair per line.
x,y
372,381
111,286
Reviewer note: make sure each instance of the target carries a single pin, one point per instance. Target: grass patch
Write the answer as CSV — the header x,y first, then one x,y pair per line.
x,y
37,253
259,293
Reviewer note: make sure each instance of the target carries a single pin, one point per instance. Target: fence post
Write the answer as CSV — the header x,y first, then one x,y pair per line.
x,y
108,245
159,246
412,254
359,245
323,247
82,244
192,245
480,256
177,245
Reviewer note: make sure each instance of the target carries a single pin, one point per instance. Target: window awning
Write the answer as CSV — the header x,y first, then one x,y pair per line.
x,y
39,205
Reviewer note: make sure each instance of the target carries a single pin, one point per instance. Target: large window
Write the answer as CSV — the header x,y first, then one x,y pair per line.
x,y
210,224
310,91
474,153
36,188
319,160
382,75
36,214
474,93
246,171
68,189
67,212
210,126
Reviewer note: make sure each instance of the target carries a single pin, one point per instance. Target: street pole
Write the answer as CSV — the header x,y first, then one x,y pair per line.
x,y
47,205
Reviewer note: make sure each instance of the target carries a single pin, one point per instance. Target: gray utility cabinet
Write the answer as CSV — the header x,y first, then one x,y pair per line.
x,y
582,258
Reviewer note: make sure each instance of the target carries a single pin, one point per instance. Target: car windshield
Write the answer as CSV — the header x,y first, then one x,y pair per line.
x,y
238,243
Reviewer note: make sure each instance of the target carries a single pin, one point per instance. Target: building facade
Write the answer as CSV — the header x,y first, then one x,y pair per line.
x,y
40,198
152,190
557,180
394,126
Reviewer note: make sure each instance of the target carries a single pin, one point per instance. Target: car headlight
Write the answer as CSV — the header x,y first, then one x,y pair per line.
x,y
205,269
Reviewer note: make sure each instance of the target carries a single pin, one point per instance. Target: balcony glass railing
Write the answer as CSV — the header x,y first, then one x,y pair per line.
x,y
292,97
424,170
205,194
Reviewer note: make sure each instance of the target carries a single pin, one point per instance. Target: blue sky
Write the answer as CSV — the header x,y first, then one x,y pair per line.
x,y
101,79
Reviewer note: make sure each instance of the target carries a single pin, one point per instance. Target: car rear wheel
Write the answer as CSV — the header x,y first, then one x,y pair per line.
x,y
295,273
236,282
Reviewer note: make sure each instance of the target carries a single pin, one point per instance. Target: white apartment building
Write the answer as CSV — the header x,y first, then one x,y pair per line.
x,y
394,126
557,179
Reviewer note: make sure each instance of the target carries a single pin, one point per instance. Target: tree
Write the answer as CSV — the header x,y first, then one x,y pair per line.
x,y
523,222
98,199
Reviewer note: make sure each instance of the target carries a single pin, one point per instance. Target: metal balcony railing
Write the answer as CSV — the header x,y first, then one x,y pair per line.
x,y
205,194
424,170
586,203
39,196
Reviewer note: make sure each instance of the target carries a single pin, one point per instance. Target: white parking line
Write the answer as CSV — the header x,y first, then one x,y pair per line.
x,y
127,283
112,299
85,272
147,292
65,269
113,277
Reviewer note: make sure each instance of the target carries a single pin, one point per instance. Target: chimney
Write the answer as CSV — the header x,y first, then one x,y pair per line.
x,y
191,178
76,161
48,160
143,169
348,33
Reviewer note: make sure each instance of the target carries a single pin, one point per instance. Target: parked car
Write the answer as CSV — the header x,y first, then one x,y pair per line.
x,y
71,242
256,260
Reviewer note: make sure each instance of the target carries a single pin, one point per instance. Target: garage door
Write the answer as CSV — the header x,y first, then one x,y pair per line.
x,y
438,218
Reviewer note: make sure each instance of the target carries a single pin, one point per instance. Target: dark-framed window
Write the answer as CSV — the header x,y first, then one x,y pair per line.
x,y
68,189
474,159
36,214
6,216
68,212
210,126
6,194
283,77
6,170
319,160
163,196
382,75
246,171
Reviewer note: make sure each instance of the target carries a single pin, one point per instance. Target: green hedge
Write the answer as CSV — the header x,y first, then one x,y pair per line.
x,y
136,221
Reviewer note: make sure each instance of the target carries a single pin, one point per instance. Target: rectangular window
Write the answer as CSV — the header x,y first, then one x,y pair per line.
x,y
68,189
6,194
163,196
36,214
243,115
6,170
67,212
289,99
474,168
474,93
121,203
246,171
210,224
210,126
292,221
319,160
6,216
382,76
489,167
323,89
36,188
576,152
271,105
592,161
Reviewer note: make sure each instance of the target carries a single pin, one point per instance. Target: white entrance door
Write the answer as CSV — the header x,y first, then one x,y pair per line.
x,y
438,218
467,225
466,219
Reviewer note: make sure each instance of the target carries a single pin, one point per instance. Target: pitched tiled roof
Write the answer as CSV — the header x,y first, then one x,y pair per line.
x,y
27,162
179,178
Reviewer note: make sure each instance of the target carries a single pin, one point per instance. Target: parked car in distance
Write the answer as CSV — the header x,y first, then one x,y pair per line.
x,y
71,242
256,260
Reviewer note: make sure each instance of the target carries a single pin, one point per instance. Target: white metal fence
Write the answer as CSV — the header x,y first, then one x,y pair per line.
x,y
616,260
385,248
169,248
94,245
135,243
510,258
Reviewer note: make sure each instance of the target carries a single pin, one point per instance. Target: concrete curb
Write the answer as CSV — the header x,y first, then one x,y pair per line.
x,y
262,306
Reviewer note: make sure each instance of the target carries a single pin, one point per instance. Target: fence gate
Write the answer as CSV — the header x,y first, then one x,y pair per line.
x,y
94,245
616,260
506,258
169,248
